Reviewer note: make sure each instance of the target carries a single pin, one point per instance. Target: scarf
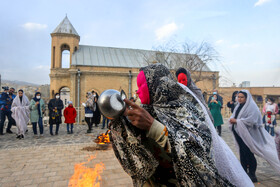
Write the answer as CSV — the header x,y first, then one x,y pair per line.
x,y
188,134
192,86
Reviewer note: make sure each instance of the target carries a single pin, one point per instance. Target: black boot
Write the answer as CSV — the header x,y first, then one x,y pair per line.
x,y
253,177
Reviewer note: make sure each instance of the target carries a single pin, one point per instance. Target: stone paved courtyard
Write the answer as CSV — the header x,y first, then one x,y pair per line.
x,y
50,160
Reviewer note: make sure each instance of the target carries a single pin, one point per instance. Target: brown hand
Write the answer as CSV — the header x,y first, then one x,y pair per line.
x,y
232,121
138,116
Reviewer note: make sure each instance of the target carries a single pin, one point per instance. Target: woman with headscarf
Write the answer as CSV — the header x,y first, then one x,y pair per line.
x,y
96,113
251,137
168,142
20,113
37,108
215,109
89,108
232,104
184,77
55,107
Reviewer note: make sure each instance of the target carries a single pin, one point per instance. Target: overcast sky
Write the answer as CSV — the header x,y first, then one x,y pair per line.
x,y
244,32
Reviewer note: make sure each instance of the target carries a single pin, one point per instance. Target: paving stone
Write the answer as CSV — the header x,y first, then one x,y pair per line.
x,y
50,161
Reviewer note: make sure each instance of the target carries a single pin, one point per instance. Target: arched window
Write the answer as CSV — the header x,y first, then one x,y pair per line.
x,y
65,56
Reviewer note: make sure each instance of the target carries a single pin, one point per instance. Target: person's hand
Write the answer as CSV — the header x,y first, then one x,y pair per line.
x,y
231,102
232,121
55,108
37,103
138,116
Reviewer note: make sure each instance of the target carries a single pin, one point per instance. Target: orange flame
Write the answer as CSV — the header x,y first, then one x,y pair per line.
x,y
86,177
103,138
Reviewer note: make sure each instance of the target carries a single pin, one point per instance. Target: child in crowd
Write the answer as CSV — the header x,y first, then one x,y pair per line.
x,y
70,114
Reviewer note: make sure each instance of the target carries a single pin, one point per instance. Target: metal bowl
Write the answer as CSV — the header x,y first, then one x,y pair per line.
x,y
111,103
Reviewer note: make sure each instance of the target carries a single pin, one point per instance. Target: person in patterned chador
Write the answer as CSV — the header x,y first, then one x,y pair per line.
x,y
171,140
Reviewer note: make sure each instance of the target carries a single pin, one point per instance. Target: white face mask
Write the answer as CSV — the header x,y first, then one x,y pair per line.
x,y
215,93
268,102
57,96
94,95
38,96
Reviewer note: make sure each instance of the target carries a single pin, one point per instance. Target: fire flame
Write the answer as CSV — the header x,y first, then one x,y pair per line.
x,y
103,138
86,177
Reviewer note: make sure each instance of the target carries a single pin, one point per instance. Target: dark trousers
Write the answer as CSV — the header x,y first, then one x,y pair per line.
x,y
104,121
89,122
56,130
3,118
219,129
41,128
247,158
68,130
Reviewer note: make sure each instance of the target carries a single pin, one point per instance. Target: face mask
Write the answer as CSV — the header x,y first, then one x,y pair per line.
x,y
182,78
215,93
143,90
38,96
94,95
268,102
57,96
8,93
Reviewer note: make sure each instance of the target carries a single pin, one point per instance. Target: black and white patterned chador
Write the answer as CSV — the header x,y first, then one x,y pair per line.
x,y
188,134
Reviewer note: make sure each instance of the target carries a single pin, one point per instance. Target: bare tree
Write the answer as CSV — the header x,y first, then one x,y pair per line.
x,y
195,57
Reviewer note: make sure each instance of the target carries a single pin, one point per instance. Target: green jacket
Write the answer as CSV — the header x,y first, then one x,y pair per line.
x,y
34,114
215,110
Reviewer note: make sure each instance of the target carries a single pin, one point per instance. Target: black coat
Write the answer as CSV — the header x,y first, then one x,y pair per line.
x,y
96,113
55,118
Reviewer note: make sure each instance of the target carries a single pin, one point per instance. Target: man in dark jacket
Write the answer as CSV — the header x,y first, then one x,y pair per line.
x,y
55,107
6,100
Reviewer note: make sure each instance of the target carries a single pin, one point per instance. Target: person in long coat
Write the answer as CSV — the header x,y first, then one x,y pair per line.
x,y
168,140
96,113
250,135
55,107
20,113
215,108
37,108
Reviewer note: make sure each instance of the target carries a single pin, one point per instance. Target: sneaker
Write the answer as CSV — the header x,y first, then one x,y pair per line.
x,y
41,135
9,132
51,133
68,132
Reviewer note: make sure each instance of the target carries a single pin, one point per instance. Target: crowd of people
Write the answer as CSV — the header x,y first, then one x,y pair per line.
x,y
174,137
20,111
